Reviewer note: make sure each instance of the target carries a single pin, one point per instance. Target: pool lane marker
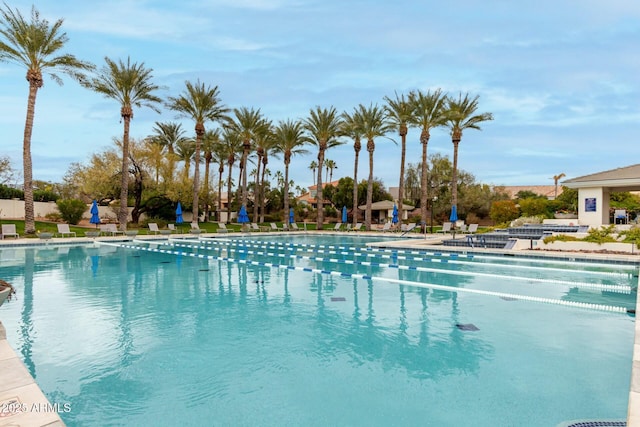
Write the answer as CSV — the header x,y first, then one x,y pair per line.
x,y
425,252
357,252
624,289
591,306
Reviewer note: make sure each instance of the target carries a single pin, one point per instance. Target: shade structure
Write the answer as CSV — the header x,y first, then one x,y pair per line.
x,y
179,219
454,214
95,217
243,218
291,216
394,217
344,214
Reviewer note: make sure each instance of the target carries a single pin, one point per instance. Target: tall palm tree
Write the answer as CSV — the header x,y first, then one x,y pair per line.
x,y
201,103
168,134
153,155
233,145
374,125
130,84
185,151
352,127
400,114
428,113
263,139
269,151
290,141
461,115
557,178
246,123
220,157
314,167
210,142
330,165
36,45
323,129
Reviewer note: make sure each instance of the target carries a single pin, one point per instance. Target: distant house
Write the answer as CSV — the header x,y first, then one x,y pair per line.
x,y
382,211
309,198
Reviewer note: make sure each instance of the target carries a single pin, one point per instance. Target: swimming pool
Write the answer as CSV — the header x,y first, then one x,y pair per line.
x,y
300,330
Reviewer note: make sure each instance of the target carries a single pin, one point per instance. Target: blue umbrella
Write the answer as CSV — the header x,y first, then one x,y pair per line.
x,y
454,214
179,219
243,218
95,217
394,219
291,217
344,214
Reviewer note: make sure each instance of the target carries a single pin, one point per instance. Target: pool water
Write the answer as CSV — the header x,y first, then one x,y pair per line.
x,y
315,332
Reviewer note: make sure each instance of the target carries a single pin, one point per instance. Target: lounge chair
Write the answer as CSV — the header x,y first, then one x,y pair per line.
x,y
63,230
357,227
294,227
153,228
409,228
9,230
473,228
338,226
274,227
172,228
222,228
110,229
195,229
386,227
446,228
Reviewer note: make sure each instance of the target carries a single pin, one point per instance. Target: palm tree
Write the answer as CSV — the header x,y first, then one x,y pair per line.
x,y
330,165
461,115
233,145
36,45
153,155
263,139
210,141
290,141
246,124
428,113
129,84
220,157
168,135
185,150
269,150
557,178
352,128
323,129
374,125
200,103
400,114
313,166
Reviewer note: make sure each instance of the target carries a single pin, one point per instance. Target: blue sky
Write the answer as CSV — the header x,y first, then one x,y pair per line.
x,y
561,78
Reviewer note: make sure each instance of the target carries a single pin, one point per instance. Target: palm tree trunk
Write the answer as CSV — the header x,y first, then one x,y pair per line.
x,y
29,217
355,182
207,164
229,194
454,172
196,172
319,196
403,153
220,172
256,189
424,139
264,170
123,213
287,160
367,215
243,183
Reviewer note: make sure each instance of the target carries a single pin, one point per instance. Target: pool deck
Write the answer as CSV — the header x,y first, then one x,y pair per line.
x,y
17,383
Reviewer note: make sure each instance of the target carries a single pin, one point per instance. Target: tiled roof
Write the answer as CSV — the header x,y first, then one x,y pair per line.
x,y
627,172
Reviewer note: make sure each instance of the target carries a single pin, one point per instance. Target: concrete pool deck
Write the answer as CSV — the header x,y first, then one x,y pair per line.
x,y
30,407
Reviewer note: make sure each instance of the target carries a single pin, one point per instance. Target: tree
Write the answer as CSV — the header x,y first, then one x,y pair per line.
x,y
6,172
313,166
263,140
400,115
168,135
557,178
129,84
36,45
233,145
199,103
247,123
323,129
330,165
290,141
185,150
428,113
461,115
374,125
352,127
210,142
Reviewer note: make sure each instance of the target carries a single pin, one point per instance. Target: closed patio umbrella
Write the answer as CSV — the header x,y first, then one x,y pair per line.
x,y
243,218
95,214
394,218
344,215
179,219
291,217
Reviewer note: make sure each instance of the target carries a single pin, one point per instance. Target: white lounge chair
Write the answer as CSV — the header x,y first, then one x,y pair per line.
x,y
357,227
386,227
446,228
222,228
408,228
9,230
63,230
473,228
195,229
338,226
172,228
294,227
274,227
110,229
153,228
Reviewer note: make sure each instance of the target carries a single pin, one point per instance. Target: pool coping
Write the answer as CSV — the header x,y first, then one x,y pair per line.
x,y
17,382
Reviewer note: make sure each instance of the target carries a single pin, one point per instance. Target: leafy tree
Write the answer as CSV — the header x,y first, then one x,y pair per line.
x,y
6,172
71,210
533,206
131,86
290,141
503,211
36,45
528,194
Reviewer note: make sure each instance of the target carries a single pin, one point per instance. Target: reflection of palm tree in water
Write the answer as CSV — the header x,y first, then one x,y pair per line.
x,y
27,313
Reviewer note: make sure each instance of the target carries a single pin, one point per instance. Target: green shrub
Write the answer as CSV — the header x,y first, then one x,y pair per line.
x,y
601,235
561,238
44,196
631,236
503,211
71,210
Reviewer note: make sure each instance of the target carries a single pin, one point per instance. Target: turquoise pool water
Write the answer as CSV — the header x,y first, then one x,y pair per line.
x,y
279,331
